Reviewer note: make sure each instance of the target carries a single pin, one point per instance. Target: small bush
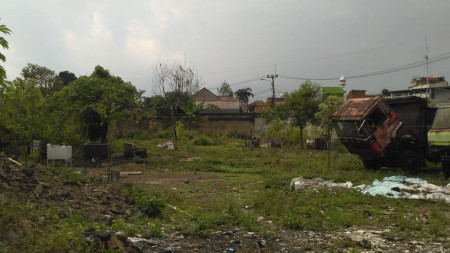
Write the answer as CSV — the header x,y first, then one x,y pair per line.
x,y
202,140
149,205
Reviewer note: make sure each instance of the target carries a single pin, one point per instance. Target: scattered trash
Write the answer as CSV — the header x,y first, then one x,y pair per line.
x,y
127,173
404,187
299,183
394,187
168,145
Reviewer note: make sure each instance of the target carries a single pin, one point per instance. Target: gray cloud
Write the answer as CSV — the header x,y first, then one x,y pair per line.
x,y
232,40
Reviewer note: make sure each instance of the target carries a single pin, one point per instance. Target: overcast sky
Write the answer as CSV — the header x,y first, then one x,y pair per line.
x,y
233,40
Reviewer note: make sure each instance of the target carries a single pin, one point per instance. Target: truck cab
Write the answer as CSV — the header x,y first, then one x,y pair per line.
x,y
386,131
366,126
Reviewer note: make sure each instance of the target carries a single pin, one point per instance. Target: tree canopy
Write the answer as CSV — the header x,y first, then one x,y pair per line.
x,y
46,79
244,94
100,99
225,90
67,77
174,81
71,114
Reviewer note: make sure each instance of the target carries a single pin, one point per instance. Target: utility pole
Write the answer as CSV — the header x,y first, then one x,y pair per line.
x,y
426,58
273,88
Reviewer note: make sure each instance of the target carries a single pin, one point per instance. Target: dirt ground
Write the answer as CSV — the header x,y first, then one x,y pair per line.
x,y
364,238
100,200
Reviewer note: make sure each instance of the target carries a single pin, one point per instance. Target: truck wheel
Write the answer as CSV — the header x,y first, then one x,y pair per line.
x,y
371,164
411,161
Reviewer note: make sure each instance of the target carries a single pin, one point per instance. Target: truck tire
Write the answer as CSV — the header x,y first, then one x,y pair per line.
x,y
411,161
372,164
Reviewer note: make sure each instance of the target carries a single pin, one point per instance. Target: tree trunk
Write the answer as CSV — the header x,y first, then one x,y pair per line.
x,y
174,125
301,137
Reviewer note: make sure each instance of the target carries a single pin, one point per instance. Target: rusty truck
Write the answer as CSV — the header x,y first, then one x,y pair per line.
x,y
391,132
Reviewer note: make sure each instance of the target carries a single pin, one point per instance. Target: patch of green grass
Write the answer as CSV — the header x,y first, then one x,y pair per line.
x,y
146,203
138,224
39,229
252,183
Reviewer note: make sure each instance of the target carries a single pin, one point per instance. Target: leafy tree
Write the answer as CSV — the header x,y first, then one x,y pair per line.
x,y
300,106
46,79
385,92
174,81
21,113
244,94
101,72
326,114
4,43
96,102
66,77
225,90
157,103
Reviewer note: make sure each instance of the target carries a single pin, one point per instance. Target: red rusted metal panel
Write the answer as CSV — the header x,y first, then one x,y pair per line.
x,y
357,108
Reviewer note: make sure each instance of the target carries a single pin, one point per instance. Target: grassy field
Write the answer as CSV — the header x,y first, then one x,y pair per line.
x,y
245,188
249,183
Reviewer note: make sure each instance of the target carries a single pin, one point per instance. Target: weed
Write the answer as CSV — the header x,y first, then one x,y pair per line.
x,y
149,205
138,224
69,176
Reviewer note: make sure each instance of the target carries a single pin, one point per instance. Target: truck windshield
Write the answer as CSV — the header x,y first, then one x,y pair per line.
x,y
442,119
351,129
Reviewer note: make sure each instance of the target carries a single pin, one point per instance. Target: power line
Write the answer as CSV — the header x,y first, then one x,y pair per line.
x,y
435,59
438,58
405,67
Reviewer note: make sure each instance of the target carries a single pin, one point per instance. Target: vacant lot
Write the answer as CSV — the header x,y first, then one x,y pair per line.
x,y
223,196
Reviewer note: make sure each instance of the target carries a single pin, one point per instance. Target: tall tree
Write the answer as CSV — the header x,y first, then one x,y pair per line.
x,y
300,106
21,112
46,79
225,90
67,77
98,102
244,94
174,81
4,43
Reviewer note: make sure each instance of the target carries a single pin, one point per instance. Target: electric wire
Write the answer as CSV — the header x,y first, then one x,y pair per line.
x,y
438,58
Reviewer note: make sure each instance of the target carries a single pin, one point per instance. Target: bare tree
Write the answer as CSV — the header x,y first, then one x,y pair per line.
x,y
175,81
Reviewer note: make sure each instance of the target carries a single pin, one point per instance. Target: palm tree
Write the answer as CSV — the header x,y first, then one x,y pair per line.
x,y
244,94
4,44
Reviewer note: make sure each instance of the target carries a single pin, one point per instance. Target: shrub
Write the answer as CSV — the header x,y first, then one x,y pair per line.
x,y
202,140
149,205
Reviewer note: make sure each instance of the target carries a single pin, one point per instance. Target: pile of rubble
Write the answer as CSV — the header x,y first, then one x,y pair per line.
x,y
38,185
